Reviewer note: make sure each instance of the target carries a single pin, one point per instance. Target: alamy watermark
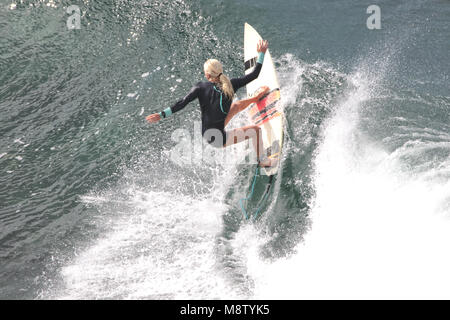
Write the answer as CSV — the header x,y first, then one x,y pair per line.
x,y
374,20
195,149
74,20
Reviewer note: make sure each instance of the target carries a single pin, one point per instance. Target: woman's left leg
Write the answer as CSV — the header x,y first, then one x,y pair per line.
x,y
254,133
240,105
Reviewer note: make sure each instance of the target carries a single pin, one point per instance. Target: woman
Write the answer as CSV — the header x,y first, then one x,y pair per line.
x,y
217,106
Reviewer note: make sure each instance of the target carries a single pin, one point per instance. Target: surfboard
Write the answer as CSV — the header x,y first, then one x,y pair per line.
x,y
267,113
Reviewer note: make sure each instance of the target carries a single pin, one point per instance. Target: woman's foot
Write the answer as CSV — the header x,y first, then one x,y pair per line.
x,y
261,92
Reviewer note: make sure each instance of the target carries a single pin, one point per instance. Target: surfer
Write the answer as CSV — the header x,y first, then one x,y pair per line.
x,y
217,106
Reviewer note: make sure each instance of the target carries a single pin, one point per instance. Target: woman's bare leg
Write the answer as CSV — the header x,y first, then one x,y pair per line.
x,y
253,132
241,105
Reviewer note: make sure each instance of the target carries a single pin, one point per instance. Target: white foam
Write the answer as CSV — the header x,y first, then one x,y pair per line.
x,y
376,232
19,141
160,246
163,250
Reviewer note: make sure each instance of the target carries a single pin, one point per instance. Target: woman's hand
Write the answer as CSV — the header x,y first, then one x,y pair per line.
x,y
153,118
262,46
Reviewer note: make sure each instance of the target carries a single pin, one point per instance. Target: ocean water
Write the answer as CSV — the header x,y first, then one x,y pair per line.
x,y
93,207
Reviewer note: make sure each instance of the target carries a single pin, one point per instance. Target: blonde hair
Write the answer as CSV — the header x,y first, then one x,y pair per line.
x,y
214,68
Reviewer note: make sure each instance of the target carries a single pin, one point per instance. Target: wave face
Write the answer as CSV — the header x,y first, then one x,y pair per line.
x,y
93,207
380,214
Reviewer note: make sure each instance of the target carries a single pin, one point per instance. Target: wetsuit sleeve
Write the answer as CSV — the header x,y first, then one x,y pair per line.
x,y
192,95
243,81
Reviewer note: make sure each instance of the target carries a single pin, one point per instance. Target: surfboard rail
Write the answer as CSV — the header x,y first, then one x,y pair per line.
x,y
267,113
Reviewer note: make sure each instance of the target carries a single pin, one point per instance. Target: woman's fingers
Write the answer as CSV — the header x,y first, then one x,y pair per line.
x,y
262,46
153,118
265,45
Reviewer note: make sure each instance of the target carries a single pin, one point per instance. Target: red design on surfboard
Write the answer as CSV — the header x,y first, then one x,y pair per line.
x,y
266,108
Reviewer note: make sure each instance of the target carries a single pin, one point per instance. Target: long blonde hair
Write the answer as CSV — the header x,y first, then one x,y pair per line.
x,y
214,68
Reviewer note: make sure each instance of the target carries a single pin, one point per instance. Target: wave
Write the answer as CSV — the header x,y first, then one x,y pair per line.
x,y
379,226
171,232
359,209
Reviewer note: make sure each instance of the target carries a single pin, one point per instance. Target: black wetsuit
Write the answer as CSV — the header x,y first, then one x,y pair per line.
x,y
209,96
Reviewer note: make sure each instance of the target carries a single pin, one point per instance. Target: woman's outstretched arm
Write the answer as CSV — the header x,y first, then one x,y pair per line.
x,y
193,94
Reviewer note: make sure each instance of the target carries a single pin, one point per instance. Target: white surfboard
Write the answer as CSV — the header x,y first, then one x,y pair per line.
x,y
267,113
